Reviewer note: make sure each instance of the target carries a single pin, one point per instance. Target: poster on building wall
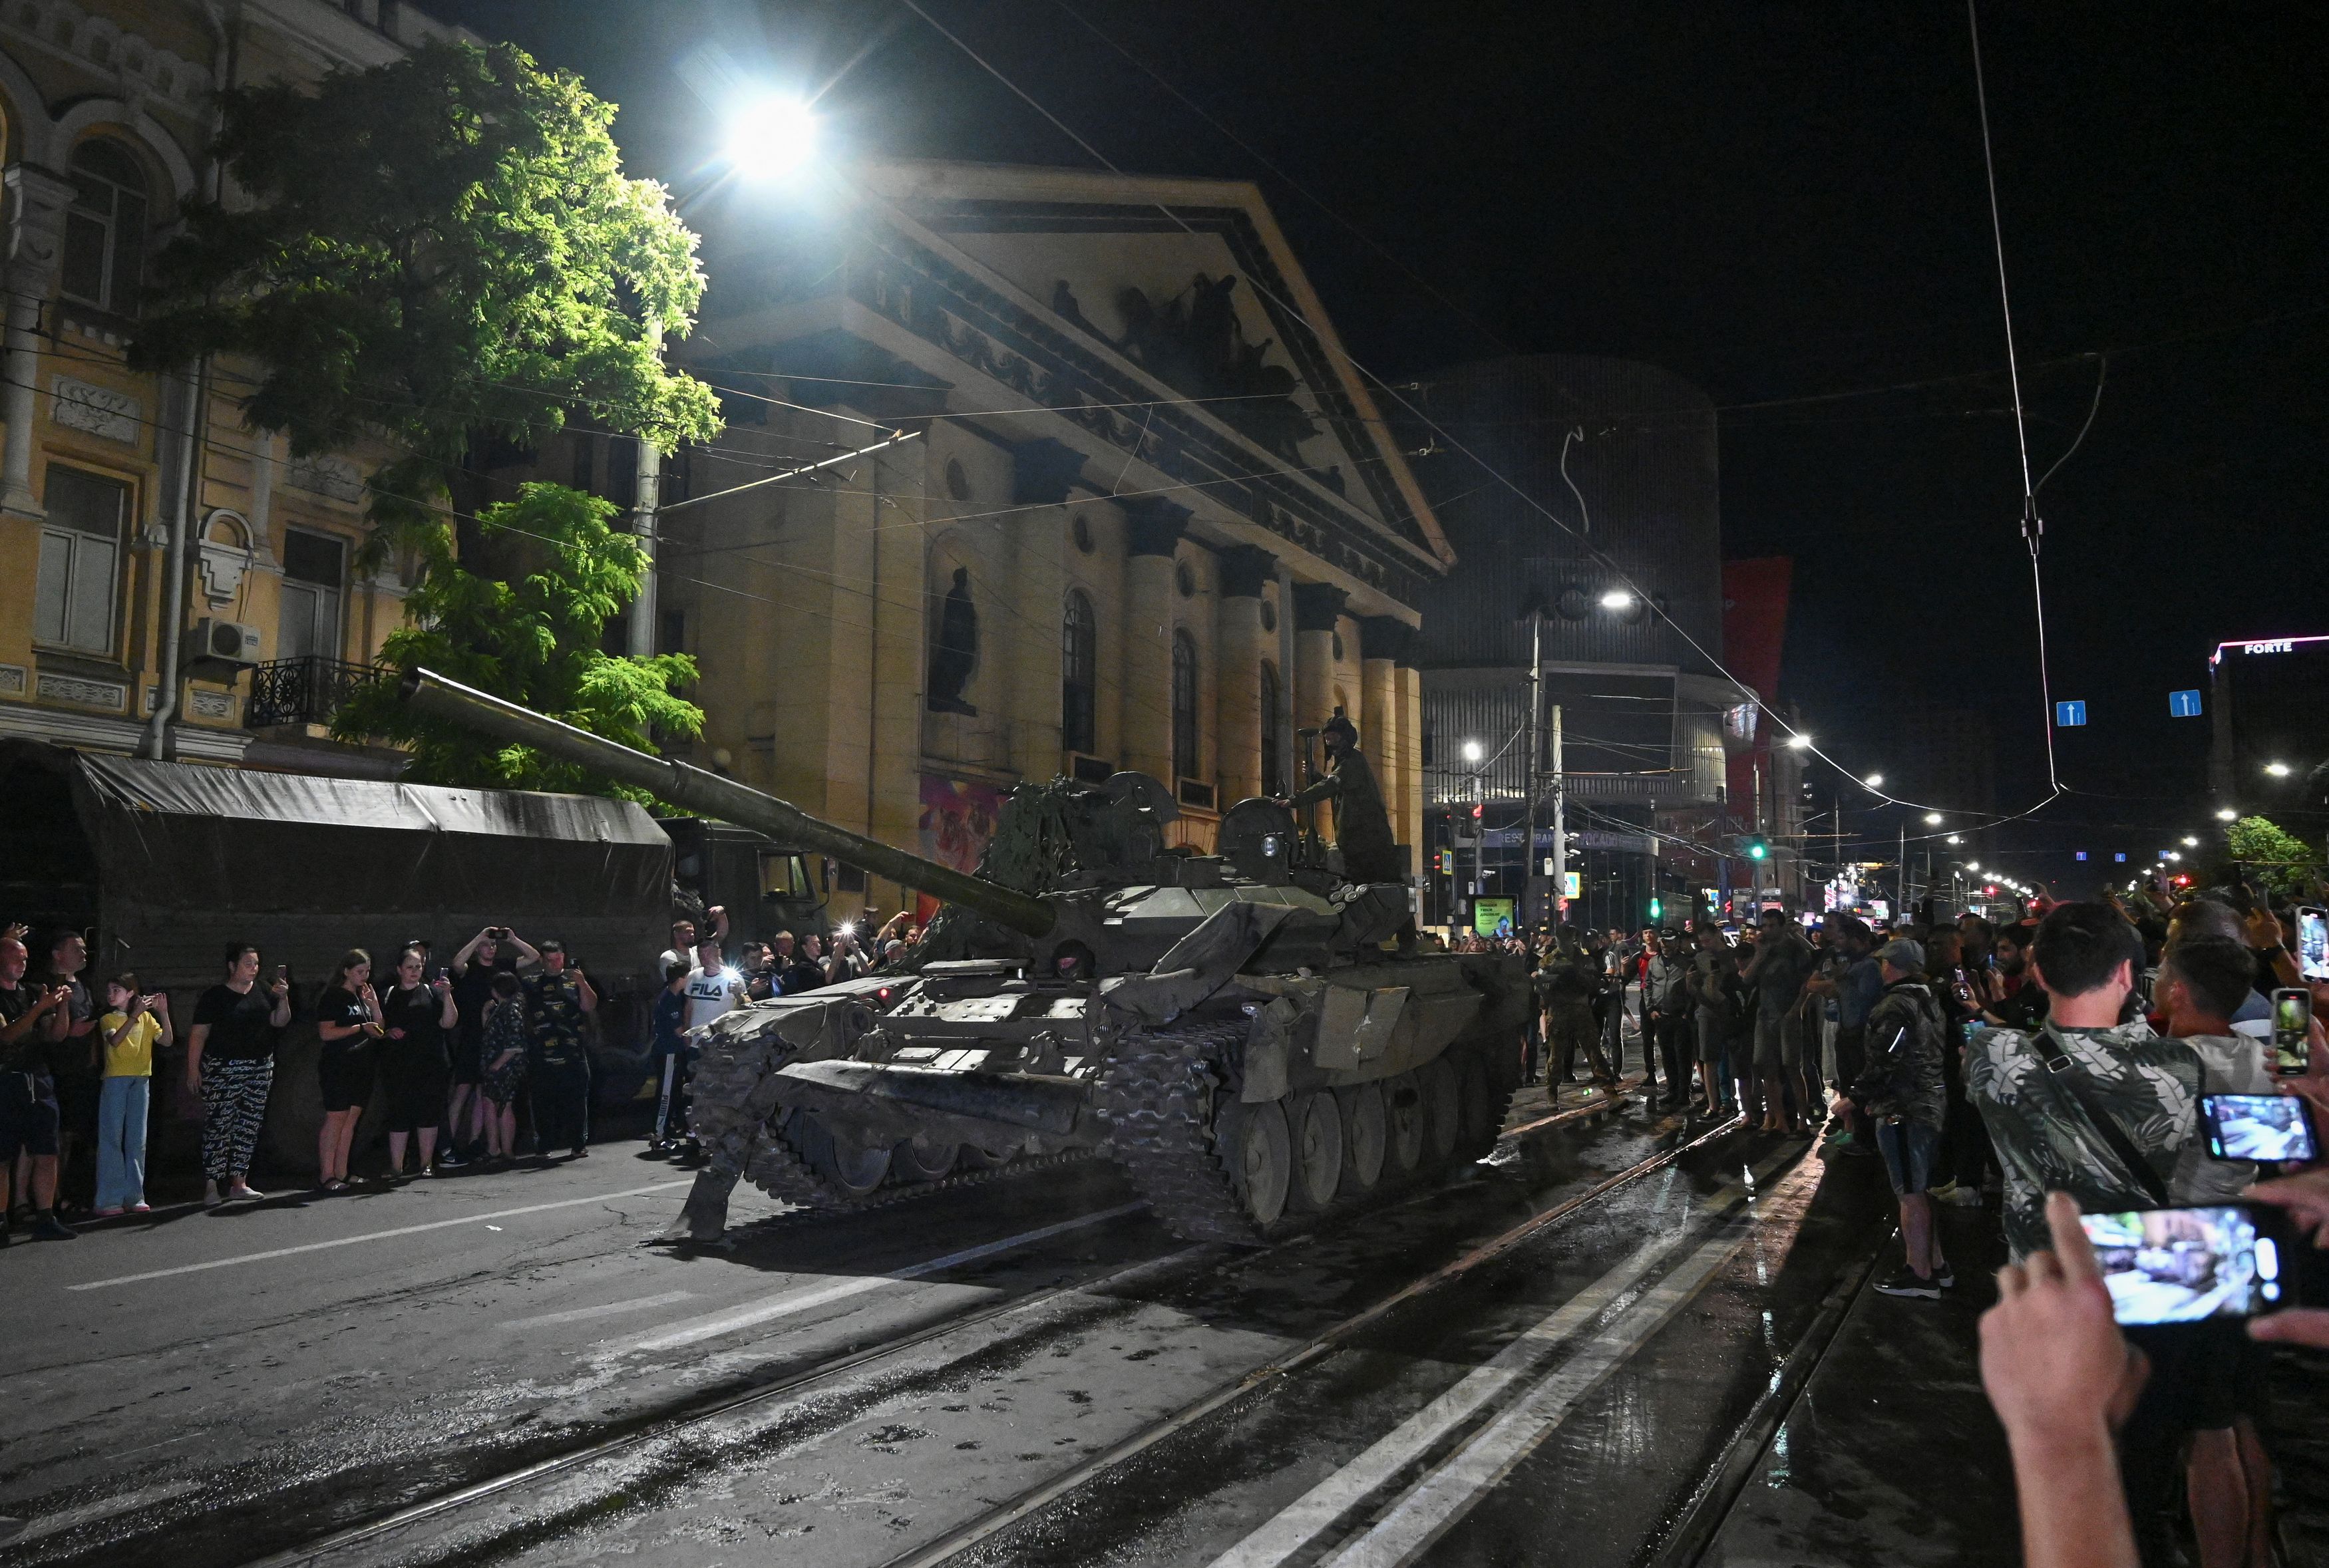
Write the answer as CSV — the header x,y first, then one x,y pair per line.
x,y
958,817
1492,916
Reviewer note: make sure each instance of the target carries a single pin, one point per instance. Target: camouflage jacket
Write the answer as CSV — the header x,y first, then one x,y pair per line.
x,y
2147,1084
1904,1075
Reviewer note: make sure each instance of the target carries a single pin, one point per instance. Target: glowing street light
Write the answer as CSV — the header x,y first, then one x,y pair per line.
x,y
1971,866
1955,839
1617,599
2277,769
1932,819
2228,815
1472,752
2191,842
771,138
1800,741
1874,781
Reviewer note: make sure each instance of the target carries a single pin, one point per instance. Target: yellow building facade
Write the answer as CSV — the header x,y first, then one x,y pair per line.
x,y
108,112
1132,509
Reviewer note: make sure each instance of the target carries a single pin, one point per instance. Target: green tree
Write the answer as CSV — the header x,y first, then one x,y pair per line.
x,y
443,256
441,253
533,639
2281,860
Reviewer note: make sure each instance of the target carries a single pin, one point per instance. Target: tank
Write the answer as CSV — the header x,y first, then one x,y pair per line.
x,y
1233,1030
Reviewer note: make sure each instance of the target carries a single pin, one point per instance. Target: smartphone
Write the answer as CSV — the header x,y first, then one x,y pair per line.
x,y
2313,943
2186,1266
2291,1020
2259,1127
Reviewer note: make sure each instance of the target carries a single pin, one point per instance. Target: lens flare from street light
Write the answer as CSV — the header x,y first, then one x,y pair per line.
x,y
1800,741
771,138
1472,752
2277,769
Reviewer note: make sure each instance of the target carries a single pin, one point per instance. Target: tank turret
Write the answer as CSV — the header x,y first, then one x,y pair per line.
x,y
1230,1029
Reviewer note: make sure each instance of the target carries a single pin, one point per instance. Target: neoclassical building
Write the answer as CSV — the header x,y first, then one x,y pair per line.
x,y
1144,515
105,116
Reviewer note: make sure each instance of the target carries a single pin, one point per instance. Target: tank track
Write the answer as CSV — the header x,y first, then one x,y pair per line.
x,y
1156,1094
733,1107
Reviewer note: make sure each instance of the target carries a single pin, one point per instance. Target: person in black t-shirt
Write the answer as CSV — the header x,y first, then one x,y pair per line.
x,y
557,1066
417,1016
230,1064
495,951
72,1052
28,1100
347,1018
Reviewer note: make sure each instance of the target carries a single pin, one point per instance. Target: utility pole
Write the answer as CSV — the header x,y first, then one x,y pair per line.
x,y
639,640
1532,783
1559,830
1901,914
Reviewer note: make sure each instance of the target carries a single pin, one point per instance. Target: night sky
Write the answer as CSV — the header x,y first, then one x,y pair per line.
x,y
1781,202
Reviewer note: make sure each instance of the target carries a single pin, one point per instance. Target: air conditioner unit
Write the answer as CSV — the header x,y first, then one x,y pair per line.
x,y
215,647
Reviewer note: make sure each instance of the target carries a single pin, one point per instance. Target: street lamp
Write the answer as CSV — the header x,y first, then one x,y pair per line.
x,y
1800,741
1955,839
2228,815
2191,842
1617,599
1932,819
1472,752
2277,769
1873,780
771,138
1970,866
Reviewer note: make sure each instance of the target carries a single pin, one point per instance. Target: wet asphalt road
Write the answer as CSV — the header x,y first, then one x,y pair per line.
x,y
209,1388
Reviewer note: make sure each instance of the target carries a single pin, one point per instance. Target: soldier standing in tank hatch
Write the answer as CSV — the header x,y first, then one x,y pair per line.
x,y
1361,823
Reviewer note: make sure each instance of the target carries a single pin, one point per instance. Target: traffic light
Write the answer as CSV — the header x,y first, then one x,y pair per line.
x,y
1755,848
1658,911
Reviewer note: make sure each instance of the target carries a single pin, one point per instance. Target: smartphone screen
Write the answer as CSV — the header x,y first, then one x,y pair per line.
x,y
2292,1015
2184,1265
2313,943
2259,1127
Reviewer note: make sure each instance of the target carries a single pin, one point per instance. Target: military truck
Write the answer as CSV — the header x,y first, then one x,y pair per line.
x,y
1231,1029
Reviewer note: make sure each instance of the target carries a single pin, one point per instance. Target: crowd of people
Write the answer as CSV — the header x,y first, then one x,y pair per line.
x,y
455,1059
2062,1057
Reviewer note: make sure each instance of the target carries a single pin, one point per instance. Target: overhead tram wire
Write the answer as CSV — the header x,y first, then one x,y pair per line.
x,y
1592,551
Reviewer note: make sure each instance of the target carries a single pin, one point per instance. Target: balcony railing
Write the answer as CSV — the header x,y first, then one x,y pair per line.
x,y
307,691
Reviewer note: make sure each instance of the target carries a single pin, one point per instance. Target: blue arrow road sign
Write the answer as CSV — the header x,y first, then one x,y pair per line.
x,y
2184,704
2070,714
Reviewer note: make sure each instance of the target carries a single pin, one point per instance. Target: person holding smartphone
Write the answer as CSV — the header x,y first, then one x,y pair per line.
x,y
347,1021
492,952
558,998
416,1017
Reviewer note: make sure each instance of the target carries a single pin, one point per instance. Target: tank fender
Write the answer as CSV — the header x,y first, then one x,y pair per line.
x,y
1271,1048
1199,964
1038,1103
814,1027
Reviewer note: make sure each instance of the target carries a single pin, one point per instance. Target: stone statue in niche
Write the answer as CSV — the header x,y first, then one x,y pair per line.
x,y
1193,343
953,648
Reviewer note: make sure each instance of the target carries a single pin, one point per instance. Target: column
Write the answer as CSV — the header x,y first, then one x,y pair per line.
x,y
1242,646
36,204
1382,640
1316,608
1410,681
1155,532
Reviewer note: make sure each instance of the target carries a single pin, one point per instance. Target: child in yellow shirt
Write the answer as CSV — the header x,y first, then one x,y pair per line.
x,y
125,1037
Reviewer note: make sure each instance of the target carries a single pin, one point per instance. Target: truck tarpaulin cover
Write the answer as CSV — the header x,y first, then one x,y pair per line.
x,y
305,864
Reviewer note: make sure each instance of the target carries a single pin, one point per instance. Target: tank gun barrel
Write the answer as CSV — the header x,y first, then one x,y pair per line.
x,y
695,790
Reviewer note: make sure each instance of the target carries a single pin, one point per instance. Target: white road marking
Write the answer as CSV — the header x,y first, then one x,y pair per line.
x,y
1286,1534
378,1235
816,1296
577,1314
104,1508
1448,1493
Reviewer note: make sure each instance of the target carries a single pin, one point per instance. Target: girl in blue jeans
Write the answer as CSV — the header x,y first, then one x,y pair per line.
x,y
132,1027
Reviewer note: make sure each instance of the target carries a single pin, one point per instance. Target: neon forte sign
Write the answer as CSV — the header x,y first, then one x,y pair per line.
x,y
2262,645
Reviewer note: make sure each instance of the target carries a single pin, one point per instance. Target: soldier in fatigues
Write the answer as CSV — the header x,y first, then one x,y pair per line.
x,y
1361,822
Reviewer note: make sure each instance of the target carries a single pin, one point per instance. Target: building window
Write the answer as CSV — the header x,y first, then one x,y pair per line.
x,y
1185,706
1079,675
623,472
585,460
81,560
105,229
313,568
1273,733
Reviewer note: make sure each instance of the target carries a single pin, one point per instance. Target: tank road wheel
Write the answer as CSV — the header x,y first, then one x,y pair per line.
x,y
1476,1121
1316,1121
1366,1138
1258,1152
1441,1111
853,1168
1403,1112
922,1158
